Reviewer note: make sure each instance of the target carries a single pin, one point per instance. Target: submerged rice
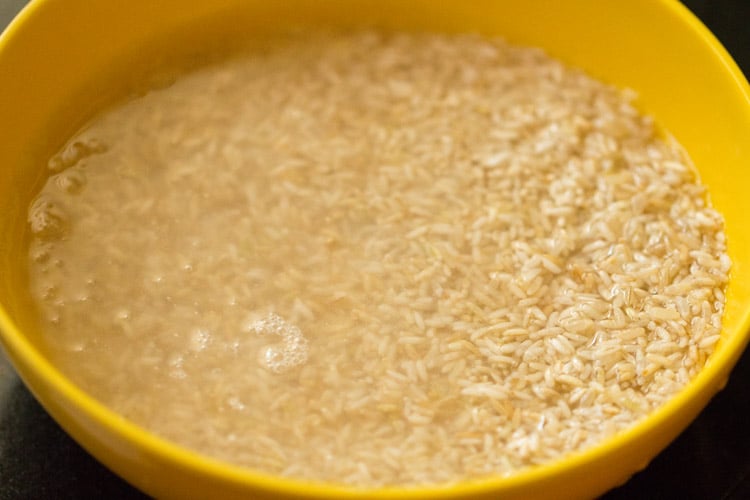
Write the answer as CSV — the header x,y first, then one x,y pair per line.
x,y
379,259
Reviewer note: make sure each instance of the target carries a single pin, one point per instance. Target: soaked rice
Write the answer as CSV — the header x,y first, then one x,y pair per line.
x,y
379,260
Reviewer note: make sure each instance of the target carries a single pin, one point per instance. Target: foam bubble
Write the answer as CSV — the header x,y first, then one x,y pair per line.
x,y
290,352
76,345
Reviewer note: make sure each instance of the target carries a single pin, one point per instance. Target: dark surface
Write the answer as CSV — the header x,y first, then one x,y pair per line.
x,y
710,460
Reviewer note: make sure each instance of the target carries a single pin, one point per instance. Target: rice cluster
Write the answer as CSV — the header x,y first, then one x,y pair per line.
x,y
379,259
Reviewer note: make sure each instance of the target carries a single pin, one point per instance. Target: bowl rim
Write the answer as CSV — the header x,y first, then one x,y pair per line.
x,y
186,459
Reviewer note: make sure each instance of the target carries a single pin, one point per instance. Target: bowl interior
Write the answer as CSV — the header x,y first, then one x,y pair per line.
x,y
54,74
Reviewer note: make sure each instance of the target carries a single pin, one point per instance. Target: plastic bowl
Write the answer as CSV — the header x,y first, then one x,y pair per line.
x,y
61,61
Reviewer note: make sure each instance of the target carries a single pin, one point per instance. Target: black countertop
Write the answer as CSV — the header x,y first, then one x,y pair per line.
x,y
710,460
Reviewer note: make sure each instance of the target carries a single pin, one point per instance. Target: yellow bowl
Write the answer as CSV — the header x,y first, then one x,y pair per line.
x,y
61,61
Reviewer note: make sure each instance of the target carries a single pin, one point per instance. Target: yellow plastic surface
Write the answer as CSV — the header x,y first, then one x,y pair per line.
x,y
62,59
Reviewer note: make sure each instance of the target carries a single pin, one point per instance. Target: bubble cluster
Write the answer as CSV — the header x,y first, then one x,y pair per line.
x,y
199,339
47,218
176,367
290,352
74,152
39,252
70,181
